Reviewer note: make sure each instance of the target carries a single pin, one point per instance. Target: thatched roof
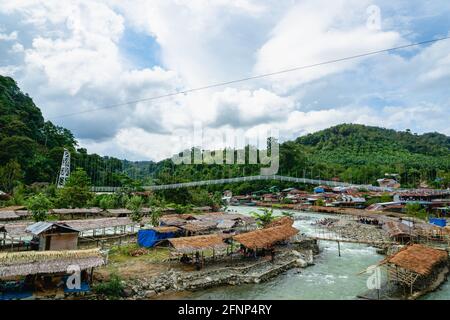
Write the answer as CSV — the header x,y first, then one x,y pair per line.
x,y
124,211
45,262
265,238
12,208
8,215
281,221
17,229
176,219
77,211
23,213
91,224
198,225
397,229
198,243
418,258
165,229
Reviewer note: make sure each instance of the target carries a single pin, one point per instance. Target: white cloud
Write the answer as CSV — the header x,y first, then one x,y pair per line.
x,y
70,60
315,32
8,37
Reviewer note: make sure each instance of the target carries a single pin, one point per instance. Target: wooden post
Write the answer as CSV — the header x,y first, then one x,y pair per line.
x,y
339,248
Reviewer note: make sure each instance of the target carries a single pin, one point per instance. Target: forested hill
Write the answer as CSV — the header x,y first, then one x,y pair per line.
x,y
31,148
353,144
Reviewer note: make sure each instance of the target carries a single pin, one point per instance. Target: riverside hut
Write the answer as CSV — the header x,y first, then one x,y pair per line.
x,y
48,269
265,238
281,221
399,231
417,267
192,248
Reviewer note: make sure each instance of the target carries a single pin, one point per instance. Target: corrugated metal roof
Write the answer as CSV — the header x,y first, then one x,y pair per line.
x,y
39,227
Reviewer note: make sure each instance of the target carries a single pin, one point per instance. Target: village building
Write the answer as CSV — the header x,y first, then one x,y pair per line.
x,y
264,239
388,183
399,231
40,271
53,236
417,269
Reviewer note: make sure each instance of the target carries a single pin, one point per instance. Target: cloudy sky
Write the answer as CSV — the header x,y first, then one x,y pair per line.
x,y
75,56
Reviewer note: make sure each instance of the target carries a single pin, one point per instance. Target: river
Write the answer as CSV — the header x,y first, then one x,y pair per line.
x,y
331,278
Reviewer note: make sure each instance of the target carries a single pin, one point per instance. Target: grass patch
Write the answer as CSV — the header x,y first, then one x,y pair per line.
x,y
125,253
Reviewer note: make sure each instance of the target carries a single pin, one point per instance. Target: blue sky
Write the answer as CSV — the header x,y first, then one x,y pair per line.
x,y
74,56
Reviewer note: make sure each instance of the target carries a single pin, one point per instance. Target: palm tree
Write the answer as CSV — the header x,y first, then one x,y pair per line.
x,y
264,218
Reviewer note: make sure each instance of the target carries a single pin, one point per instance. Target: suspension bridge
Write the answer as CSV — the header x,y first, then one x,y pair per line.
x,y
106,189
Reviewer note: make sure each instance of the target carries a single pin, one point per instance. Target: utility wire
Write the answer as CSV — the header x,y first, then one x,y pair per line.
x,y
220,84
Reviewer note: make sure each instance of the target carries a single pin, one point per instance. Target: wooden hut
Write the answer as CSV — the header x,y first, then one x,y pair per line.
x,y
265,238
399,231
417,267
192,248
198,243
281,221
54,236
46,269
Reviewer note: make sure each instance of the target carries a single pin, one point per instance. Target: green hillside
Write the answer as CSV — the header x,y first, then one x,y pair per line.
x,y
31,150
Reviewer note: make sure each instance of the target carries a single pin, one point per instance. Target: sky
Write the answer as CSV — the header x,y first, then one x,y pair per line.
x,y
75,56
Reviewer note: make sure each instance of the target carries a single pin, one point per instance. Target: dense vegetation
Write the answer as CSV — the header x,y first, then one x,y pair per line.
x,y
31,150
347,152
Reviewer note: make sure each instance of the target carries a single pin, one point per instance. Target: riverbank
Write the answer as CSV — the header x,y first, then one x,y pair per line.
x,y
236,274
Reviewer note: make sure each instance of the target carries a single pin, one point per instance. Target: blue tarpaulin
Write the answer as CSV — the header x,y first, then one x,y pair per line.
x,y
148,238
15,295
438,222
319,190
84,287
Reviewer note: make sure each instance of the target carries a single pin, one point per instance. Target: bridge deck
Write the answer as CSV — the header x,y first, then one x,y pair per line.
x,y
248,178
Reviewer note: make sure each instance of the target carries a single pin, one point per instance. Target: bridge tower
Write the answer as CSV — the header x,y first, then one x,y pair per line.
x,y
64,172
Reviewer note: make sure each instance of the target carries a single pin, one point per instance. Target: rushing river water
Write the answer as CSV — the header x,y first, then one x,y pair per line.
x,y
332,277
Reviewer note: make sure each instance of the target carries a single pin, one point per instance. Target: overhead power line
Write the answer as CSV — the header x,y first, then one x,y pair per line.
x,y
220,84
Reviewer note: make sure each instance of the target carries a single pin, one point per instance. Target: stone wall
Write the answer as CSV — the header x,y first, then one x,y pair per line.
x,y
259,271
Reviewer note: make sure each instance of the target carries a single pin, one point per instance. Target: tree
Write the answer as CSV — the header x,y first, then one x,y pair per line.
x,y
414,209
10,175
107,202
135,206
320,202
264,218
77,191
39,206
155,215
288,214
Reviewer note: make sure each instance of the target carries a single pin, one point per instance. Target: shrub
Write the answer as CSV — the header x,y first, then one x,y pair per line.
x,y
112,288
39,206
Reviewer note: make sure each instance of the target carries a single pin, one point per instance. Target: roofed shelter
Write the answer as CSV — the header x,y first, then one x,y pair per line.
x,y
48,269
150,237
198,243
266,238
416,266
54,236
